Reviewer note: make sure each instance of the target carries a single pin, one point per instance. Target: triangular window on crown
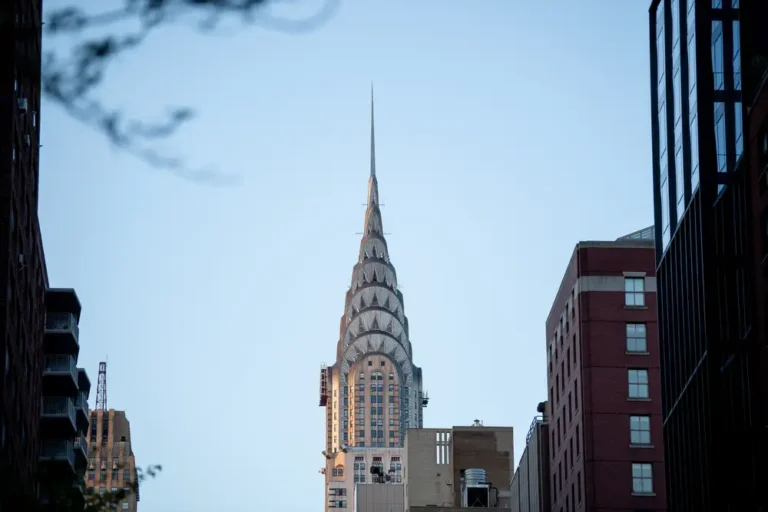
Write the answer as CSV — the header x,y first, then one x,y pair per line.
x,y
375,300
362,302
375,324
386,302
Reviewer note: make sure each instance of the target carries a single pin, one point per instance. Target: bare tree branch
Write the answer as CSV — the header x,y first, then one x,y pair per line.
x,y
73,82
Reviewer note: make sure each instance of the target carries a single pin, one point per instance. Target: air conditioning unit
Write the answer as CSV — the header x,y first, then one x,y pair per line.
x,y
23,104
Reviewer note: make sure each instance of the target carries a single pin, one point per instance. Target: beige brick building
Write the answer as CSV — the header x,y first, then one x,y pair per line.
x,y
111,462
451,468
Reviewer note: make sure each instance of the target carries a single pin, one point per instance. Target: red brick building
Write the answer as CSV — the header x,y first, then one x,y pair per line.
x,y
605,426
23,277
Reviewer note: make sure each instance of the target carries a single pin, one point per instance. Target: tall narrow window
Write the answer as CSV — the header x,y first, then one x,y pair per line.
x,y
638,383
718,66
720,142
636,338
634,291
640,430
738,126
736,55
642,478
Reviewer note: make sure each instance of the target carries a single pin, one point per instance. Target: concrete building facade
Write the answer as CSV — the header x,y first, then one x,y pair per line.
x,y
64,411
379,498
373,392
530,484
111,461
604,406
437,462
23,274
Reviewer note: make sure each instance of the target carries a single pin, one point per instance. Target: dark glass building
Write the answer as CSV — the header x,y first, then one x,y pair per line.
x,y
22,264
703,78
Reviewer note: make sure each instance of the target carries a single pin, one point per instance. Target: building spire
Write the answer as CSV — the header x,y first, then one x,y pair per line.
x,y
373,185
373,139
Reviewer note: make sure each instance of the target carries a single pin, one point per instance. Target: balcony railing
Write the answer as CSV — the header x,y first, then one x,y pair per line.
x,y
60,364
58,407
58,450
81,403
81,444
62,323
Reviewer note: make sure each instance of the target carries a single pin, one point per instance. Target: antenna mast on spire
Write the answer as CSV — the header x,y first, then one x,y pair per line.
x,y
101,388
373,140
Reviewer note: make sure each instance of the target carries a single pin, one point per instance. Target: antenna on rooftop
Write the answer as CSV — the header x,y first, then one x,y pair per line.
x,y
101,388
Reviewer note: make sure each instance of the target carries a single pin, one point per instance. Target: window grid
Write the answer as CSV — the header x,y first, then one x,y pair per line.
x,y
642,478
640,430
638,383
634,291
637,338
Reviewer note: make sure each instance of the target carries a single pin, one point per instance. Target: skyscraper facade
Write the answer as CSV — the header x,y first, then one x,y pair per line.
x,y
703,77
112,464
373,392
22,263
604,407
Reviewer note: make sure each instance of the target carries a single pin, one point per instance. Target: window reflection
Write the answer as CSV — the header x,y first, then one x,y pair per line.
x,y
720,146
664,206
694,153
718,67
662,130
736,55
739,129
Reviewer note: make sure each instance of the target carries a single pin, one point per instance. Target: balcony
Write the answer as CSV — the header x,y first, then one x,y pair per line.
x,y
81,450
82,410
58,453
59,375
58,416
62,334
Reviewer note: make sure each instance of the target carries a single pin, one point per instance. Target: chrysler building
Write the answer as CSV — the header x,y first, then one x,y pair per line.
x,y
373,392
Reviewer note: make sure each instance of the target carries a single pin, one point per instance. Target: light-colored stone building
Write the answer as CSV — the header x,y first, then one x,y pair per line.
x,y
460,466
111,463
373,391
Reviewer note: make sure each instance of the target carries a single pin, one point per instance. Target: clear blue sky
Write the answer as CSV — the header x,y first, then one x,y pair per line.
x,y
506,132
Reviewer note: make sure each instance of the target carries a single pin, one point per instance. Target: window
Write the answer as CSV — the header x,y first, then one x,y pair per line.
x,y
738,126
720,140
125,505
642,479
640,429
634,291
636,338
578,489
638,383
578,441
718,66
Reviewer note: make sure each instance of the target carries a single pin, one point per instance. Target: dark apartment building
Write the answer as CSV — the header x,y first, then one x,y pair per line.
x,y
707,60
757,149
529,491
64,412
22,264
604,407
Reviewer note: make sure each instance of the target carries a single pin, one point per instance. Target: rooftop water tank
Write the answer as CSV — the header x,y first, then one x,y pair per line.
x,y
474,477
